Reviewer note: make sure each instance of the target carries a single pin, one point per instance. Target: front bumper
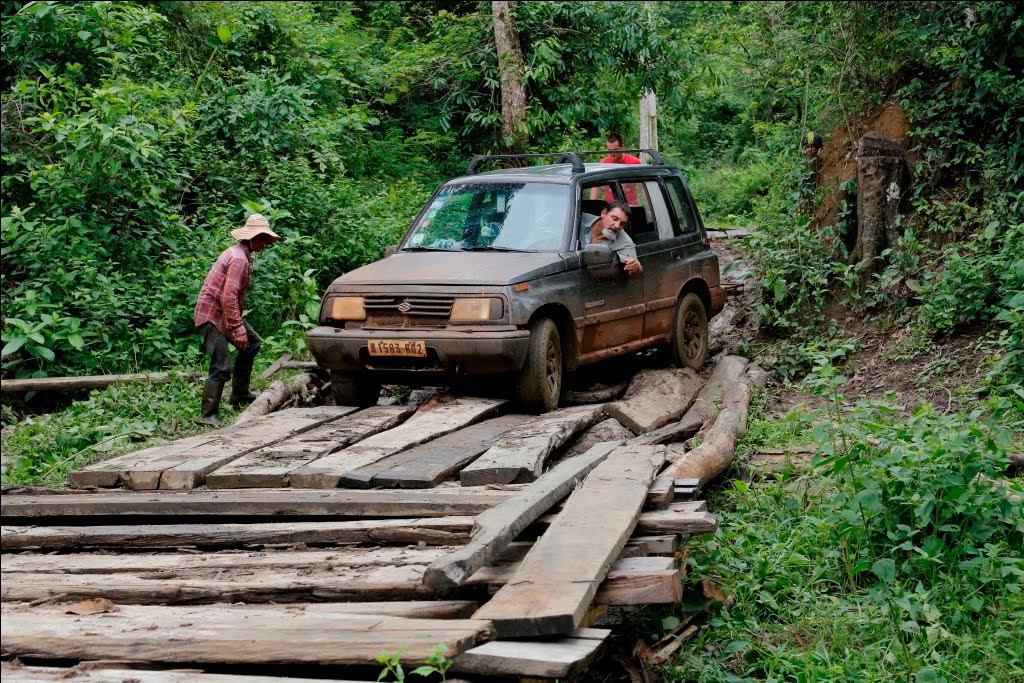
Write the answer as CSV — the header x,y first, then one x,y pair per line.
x,y
449,352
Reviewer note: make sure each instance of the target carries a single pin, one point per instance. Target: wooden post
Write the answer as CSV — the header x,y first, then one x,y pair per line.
x,y
649,109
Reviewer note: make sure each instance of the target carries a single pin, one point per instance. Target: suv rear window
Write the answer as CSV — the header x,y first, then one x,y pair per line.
x,y
507,216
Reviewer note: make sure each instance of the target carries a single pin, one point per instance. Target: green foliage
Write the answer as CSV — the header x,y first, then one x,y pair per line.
x,y
436,663
136,135
731,193
115,420
793,265
898,557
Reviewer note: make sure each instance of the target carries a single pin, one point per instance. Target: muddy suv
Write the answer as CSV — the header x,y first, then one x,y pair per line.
x,y
495,278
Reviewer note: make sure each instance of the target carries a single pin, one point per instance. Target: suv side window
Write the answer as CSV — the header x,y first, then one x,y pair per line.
x,y
680,205
643,224
656,201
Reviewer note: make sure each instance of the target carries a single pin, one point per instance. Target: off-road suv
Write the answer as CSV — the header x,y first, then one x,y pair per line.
x,y
496,278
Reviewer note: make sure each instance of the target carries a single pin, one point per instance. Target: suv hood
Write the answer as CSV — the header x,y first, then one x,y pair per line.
x,y
456,268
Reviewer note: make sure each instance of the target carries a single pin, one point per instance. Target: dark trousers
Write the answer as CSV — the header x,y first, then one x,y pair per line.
x,y
219,349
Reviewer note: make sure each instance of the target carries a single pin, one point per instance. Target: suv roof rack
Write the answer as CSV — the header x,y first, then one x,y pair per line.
x,y
559,158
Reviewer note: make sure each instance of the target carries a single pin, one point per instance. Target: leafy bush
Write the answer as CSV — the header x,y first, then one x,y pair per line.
x,y
899,556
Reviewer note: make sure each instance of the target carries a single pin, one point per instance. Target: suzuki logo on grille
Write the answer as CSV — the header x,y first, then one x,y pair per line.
x,y
404,307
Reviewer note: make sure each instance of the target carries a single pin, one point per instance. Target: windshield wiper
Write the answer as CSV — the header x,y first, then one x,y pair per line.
x,y
429,249
483,247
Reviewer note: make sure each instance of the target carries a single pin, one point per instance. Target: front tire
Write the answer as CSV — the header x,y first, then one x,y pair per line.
x,y
351,390
690,333
539,386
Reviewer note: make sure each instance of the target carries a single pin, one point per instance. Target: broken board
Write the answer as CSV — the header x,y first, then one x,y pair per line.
x,y
520,454
269,467
327,472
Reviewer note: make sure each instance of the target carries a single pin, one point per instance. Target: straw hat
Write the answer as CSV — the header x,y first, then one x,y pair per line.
x,y
255,225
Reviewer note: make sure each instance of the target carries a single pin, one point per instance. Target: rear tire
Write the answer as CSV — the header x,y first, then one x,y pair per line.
x,y
539,386
350,390
690,333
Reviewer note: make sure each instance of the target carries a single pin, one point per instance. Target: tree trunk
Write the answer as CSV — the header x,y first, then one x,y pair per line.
x,y
510,66
879,187
276,394
648,108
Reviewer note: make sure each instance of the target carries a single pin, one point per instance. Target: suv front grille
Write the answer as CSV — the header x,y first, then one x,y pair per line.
x,y
407,311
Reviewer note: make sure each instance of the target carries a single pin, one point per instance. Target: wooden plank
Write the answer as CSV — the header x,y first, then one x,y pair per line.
x,y
108,473
312,576
232,636
410,609
655,398
276,365
660,544
420,428
256,503
258,432
500,525
436,531
647,519
199,565
142,469
15,673
557,581
427,465
550,658
269,467
255,586
673,522
660,494
520,454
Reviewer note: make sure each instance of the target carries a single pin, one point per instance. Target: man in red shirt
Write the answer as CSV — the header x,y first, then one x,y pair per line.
x,y
218,315
613,143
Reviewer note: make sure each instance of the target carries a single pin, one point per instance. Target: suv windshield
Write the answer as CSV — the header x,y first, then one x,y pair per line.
x,y
509,216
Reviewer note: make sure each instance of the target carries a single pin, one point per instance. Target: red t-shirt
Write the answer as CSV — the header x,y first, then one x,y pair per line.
x,y
630,189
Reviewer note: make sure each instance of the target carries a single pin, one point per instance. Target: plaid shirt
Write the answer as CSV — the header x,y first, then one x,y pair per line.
x,y
222,298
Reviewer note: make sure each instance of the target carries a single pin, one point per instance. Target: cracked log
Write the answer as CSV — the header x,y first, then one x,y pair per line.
x,y
714,455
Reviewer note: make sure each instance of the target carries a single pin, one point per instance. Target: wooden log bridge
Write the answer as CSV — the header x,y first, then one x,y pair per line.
x,y
328,535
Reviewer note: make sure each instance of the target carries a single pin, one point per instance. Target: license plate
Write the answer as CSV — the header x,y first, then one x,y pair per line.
x,y
397,347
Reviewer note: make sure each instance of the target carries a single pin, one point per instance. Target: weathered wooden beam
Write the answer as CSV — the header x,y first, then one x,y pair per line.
x,y
442,419
271,466
255,503
112,673
144,469
557,581
433,531
285,577
549,658
500,525
520,454
428,464
232,636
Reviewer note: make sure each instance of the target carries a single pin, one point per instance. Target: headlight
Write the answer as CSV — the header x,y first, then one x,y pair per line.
x,y
474,310
348,308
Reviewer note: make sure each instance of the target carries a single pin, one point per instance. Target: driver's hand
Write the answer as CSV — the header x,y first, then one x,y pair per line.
x,y
633,266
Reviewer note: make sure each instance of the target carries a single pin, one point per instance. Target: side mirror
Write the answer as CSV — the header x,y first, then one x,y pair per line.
x,y
390,250
597,256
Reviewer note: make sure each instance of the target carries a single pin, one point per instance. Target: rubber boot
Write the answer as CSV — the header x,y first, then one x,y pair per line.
x,y
240,394
212,391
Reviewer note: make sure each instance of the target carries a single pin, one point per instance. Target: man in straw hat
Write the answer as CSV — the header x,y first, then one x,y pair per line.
x,y
218,315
